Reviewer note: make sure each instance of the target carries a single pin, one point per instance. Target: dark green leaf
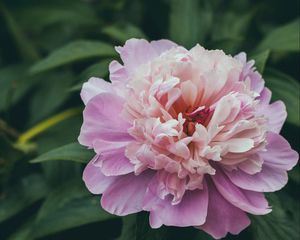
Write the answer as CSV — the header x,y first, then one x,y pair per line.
x,y
96,70
277,225
27,191
285,88
71,152
123,32
74,51
189,22
260,60
283,38
67,207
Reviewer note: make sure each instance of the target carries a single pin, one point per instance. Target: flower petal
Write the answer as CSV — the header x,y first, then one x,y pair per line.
x,y
223,217
249,201
125,195
94,179
102,120
93,87
279,153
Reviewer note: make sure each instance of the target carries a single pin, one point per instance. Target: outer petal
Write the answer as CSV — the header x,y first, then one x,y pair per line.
x,y
126,194
279,153
270,179
101,120
162,45
222,217
93,87
113,162
136,52
191,211
249,201
94,179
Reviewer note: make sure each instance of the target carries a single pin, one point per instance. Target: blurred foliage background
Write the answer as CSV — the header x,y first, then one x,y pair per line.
x,y
50,47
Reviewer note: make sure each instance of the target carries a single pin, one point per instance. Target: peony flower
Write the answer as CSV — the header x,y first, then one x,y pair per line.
x,y
187,135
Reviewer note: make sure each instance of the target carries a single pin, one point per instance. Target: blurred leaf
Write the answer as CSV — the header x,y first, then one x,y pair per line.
x,y
26,48
23,233
285,88
295,174
260,60
21,195
99,70
276,225
68,206
123,32
14,84
136,227
74,51
283,38
71,152
189,23
51,93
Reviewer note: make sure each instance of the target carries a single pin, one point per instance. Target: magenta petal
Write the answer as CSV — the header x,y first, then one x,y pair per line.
x,y
249,201
113,162
270,179
94,179
102,120
93,87
191,211
223,217
279,153
125,195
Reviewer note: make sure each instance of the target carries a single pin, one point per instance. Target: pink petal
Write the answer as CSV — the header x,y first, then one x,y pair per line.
x,y
113,162
162,45
223,217
94,179
191,211
279,153
276,114
249,201
102,120
270,179
93,87
125,195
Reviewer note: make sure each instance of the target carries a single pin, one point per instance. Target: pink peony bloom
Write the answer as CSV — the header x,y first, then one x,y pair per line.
x,y
188,135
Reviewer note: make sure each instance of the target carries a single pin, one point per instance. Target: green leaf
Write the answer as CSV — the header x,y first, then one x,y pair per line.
x,y
260,60
25,46
12,86
49,95
189,23
284,38
68,206
278,224
96,70
74,51
123,32
285,88
27,191
70,152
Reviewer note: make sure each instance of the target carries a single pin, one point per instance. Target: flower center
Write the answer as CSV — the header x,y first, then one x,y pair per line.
x,y
201,116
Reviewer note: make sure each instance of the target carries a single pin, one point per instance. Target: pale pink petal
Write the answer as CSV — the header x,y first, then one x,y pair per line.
x,y
102,120
279,153
162,45
249,201
223,217
276,114
125,195
94,179
93,87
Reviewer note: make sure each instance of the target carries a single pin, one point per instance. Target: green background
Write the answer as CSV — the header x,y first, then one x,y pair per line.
x,y
49,48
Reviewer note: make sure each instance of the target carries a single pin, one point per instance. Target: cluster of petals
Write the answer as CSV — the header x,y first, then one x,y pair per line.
x,y
187,135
